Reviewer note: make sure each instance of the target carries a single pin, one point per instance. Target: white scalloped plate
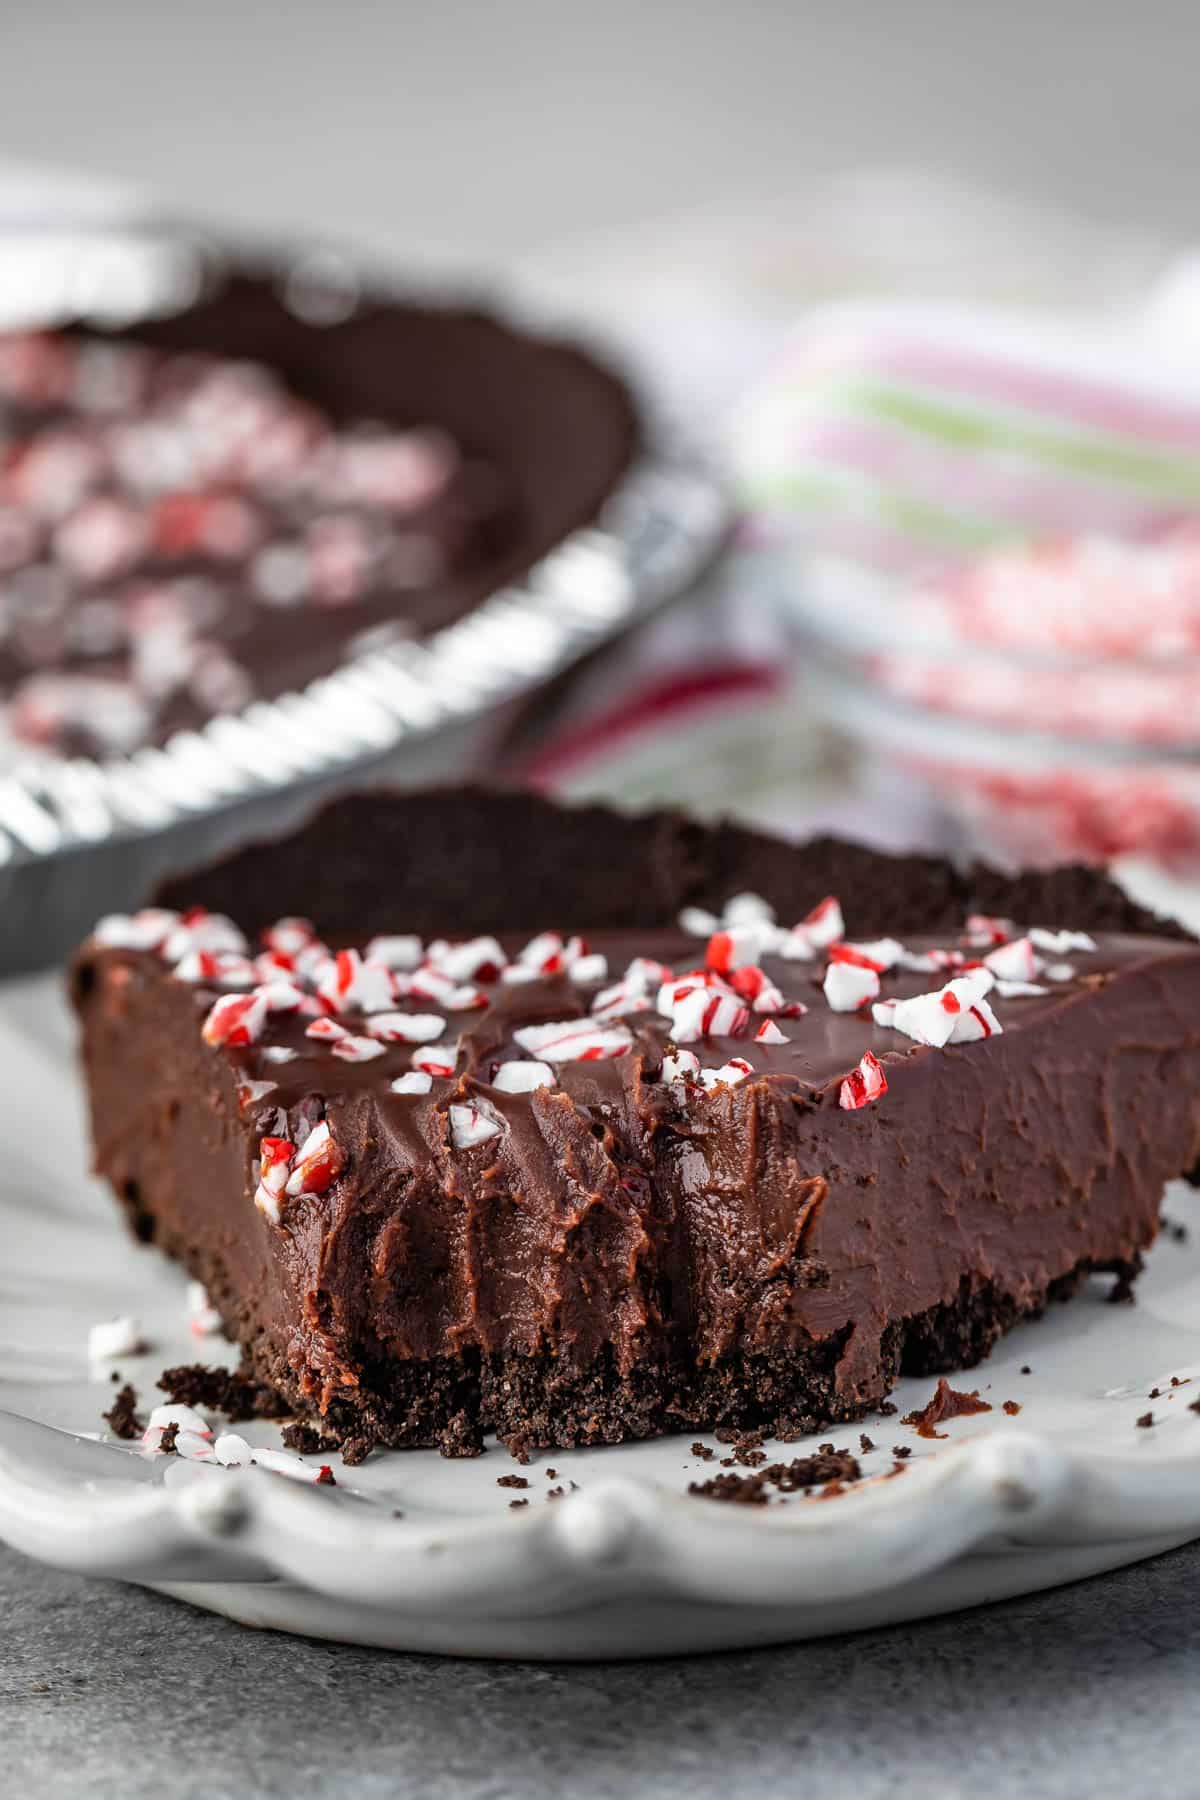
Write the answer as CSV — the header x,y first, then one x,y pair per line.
x,y
629,1565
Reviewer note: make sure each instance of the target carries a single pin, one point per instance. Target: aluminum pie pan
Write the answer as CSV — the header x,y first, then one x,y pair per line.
x,y
82,836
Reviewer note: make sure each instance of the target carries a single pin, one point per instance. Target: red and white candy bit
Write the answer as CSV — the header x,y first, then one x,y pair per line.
x,y
1019,990
864,1084
1018,961
983,929
739,946
203,1318
274,1162
216,968
632,993
575,1040
435,1059
318,1162
283,996
847,986
348,984
824,925
198,929
278,1053
701,1012
753,985
249,1093
473,1122
102,539
184,1418
728,1075
1059,971
400,952
882,954
1058,943
406,1028
589,968
522,1076
326,1031
115,1337
478,959
145,930
235,1019
681,1065
417,1081
431,984
769,1033
288,936
955,1014
357,1049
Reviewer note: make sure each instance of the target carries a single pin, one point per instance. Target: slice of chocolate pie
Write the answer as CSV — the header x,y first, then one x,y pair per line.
x,y
477,1114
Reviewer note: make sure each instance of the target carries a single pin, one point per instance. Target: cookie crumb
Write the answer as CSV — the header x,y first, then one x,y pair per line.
x,y
703,1452
901,1452
122,1416
945,1403
865,1444
1011,1407
235,1393
513,1504
511,1481
1025,1369
1146,1420
887,1409
829,1469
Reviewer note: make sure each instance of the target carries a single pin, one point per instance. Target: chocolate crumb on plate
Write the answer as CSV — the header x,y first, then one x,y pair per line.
x,y
1194,1406
946,1403
122,1416
865,1444
703,1452
1012,1408
802,1474
887,1409
1154,1394
901,1451
166,1442
306,1439
1146,1420
511,1481
1025,1369
356,1450
513,1504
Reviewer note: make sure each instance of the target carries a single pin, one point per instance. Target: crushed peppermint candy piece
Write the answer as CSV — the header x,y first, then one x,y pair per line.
x,y
327,1031
282,996
275,1160
1019,990
516,973
1016,961
235,1019
417,1081
115,1337
522,1076
278,1053
479,959
406,1028
934,1018
769,1033
848,987
1059,971
146,930
881,955
983,929
404,953
680,1065
436,1059
284,1462
474,1122
753,985
288,936
824,925
734,949
974,1022
357,1049
203,1318
700,1012
864,1084
431,984
347,983
232,1451
589,969
1059,942
318,1163
632,993
698,922
249,1093
575,1040
216,968
748,909
184,1418
199,929
728,1075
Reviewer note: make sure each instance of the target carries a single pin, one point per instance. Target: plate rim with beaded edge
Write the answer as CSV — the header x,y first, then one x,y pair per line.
x,y
625,1563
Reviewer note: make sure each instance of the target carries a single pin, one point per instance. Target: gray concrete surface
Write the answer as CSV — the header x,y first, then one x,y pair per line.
x,y
106,1692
